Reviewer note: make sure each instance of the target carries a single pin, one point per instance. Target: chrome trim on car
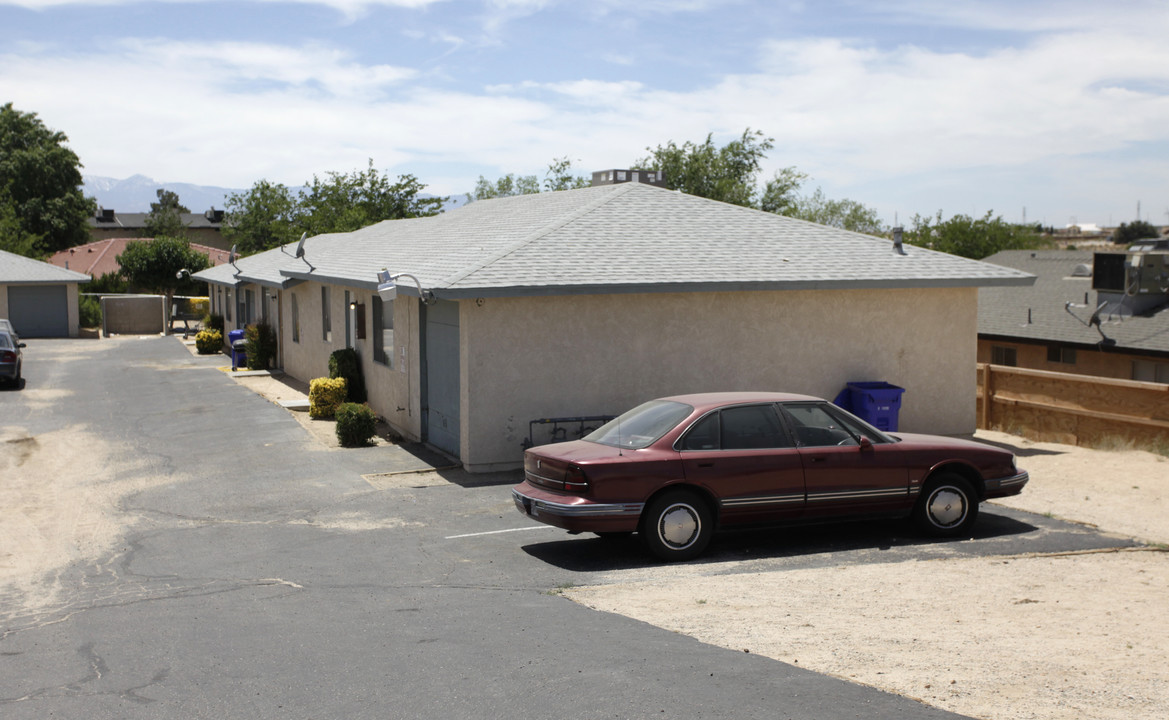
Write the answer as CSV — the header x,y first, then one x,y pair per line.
x,y
534,506
858,494
1019,479
763,500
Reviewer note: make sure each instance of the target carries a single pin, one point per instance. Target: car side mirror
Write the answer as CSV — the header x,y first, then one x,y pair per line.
x,y
866,444
20,345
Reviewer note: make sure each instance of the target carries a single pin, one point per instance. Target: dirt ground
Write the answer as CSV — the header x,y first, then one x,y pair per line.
x,y
1064,636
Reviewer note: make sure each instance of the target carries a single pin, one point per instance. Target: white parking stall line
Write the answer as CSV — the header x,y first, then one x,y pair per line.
x,y
497,532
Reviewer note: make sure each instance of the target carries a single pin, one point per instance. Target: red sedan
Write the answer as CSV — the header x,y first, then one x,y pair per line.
x,y
676,468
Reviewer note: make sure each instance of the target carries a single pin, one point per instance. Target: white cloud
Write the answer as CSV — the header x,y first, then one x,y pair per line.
x,y
854,114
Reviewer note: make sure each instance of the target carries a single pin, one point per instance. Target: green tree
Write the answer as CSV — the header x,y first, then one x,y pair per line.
x,y
970,237
1129,233
155,266
559,176
264,217
13,237
729,174
506,186
40,185
165,216
347,202
844,214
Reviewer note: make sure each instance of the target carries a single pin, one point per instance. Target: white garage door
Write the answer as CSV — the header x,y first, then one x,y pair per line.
x,y
39,310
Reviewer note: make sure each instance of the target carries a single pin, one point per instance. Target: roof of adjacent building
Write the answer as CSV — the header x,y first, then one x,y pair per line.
x,y
20,270
137,220
629,237
1041,312
101,256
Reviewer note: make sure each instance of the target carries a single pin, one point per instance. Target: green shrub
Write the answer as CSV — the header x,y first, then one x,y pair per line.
x,y
108,284
213,322
346,363
261,345
324,395
208,342
356,424
89,311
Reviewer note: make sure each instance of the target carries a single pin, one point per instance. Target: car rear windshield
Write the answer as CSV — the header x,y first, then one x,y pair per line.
x,y
642,425
5,342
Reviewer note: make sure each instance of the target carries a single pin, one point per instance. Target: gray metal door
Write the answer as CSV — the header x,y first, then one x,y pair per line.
x,y
442,375
39,310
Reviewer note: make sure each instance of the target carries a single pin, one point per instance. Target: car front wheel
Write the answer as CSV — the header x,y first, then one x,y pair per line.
x,y
677,526
947,506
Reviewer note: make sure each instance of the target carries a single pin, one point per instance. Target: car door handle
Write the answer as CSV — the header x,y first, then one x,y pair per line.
x,y
819,459
706,464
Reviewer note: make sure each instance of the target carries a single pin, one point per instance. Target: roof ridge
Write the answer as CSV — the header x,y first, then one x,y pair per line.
x,y
617,191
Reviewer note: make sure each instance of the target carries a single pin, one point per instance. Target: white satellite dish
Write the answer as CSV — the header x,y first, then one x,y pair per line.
x,y
300,245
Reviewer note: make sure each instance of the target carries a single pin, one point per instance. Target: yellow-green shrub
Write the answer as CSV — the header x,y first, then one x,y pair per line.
x,y
324,395
208,342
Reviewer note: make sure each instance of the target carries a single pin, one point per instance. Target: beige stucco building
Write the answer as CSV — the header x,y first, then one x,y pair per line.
x,y
588,302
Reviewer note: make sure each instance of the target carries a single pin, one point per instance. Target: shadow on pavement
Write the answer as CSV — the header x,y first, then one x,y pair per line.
x,y
589,553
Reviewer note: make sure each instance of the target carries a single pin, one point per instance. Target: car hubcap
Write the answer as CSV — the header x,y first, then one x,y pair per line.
x,y
947,507
679,526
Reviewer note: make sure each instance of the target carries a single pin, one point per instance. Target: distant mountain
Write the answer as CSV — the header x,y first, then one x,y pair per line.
x,y
135,193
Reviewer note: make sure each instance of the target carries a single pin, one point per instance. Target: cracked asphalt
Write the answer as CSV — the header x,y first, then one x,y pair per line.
x,y
256,573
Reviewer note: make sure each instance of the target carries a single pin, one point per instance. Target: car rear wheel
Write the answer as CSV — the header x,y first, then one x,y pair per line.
x,y
947,506
677,526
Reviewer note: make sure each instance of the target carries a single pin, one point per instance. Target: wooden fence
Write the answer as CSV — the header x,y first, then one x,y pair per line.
x,y
1071,409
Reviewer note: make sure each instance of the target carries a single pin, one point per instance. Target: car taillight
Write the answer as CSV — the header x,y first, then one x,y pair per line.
x,y
575,480
7,356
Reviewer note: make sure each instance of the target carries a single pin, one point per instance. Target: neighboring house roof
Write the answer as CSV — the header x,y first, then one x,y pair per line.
x,y
107,219
101,257
622,238
1038,313
20,270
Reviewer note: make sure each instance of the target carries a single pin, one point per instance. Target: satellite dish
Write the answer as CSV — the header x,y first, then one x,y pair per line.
x,y
231,256
300,245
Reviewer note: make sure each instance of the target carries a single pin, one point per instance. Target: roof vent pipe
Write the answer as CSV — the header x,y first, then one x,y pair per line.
x,y
897,246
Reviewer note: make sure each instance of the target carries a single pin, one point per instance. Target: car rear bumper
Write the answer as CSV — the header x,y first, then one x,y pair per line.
x,y
574,513
1011,485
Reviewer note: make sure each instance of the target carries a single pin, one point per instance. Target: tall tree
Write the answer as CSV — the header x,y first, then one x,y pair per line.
x,y
728,174
1129,233
40,185
261,218
844,214
506,186
156,265
165,216
347,202
970,237
559,176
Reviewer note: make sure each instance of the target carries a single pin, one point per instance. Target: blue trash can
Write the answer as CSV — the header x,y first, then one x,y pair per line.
x,y
877,403
239,349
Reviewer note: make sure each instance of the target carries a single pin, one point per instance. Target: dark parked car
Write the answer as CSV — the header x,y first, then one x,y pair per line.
x,y
11,358
676,468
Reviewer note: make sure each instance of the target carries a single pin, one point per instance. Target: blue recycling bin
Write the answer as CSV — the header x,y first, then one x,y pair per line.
x,y
877,403
239,349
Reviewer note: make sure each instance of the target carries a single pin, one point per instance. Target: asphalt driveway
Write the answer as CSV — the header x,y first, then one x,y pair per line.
x,y
244,570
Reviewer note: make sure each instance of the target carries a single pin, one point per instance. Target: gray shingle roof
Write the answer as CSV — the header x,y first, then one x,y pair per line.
x,y
1038,313
19,270
617,238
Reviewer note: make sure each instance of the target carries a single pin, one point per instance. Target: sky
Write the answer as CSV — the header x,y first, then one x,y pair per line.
x,y
1049,111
